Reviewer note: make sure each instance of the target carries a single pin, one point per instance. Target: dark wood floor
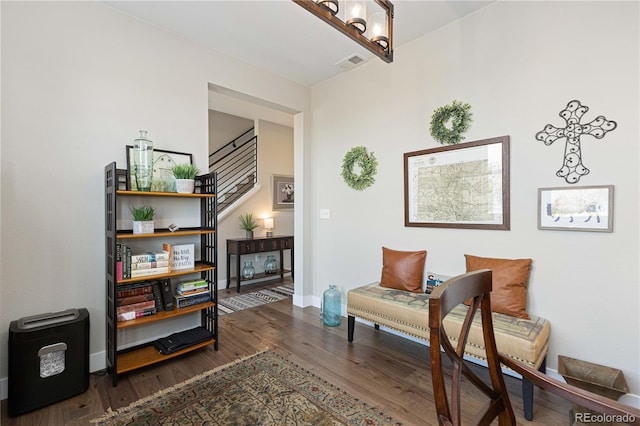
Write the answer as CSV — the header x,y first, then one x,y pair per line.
x,y
382,369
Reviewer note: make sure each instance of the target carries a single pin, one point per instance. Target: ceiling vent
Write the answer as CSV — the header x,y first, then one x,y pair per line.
x,y
351,62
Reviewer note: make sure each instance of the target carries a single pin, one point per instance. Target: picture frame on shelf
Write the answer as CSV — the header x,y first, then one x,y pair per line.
x,y
576,208
458,186
163,161
282,192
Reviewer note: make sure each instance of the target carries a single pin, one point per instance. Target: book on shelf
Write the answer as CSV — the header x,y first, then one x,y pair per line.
x,y
130,300
125,255
184,301
150,265
167,294
186,286
136,273
125,290
192,292
136,306
131,315
182,256
118,262
150,256
123,264
157,296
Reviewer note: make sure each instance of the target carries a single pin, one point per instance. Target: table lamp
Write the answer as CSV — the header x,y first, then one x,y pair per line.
x,y
268,225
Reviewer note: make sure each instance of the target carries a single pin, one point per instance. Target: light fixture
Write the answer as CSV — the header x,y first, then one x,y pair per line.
x,y
371,27
268,225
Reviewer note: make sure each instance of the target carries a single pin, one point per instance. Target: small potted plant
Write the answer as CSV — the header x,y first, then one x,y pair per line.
x,y
248,224
185,175
143,219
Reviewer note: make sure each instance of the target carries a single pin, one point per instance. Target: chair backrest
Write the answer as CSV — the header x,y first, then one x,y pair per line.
x,y
473,287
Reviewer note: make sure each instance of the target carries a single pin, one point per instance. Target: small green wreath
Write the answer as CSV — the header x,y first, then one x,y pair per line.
x,y
368,168
460,116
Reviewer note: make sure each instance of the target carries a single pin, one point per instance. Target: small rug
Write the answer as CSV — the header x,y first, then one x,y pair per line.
x,y
229,305
262,389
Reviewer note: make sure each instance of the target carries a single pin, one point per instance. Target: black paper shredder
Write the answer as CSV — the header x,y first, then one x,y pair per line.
x,y
48,359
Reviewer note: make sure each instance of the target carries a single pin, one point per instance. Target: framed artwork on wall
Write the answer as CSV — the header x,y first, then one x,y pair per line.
x,y
282,192
163,161
458,186
583,208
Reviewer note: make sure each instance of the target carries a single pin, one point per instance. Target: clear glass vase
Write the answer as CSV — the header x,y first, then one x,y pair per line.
x,y
271,264
142,162
331,307
248,271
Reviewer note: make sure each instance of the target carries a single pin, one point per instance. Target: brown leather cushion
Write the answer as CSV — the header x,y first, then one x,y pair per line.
x,y
510,280
403,270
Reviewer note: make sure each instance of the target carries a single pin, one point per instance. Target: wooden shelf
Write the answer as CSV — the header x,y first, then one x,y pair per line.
x,y
128,234
199,267
163,194
148,355
200,204
164,315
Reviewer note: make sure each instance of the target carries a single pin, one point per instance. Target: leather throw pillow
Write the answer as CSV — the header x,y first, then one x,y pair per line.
x,y
510,282
403,270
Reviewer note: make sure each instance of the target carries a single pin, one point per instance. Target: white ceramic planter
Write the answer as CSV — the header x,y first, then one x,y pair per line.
x,y
143,227
185,186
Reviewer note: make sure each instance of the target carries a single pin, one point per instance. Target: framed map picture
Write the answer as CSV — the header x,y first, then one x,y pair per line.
x,y
458,186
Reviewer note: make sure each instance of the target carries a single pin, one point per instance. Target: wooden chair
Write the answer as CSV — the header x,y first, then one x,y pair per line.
x,y
476,288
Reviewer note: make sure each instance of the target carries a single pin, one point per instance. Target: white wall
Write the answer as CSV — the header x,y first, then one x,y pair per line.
x,y
78,81
517,64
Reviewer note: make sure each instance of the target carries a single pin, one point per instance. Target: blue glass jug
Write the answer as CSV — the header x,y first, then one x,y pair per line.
x,y
331,307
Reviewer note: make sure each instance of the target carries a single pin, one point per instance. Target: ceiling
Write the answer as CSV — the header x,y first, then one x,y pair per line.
x,y
282,37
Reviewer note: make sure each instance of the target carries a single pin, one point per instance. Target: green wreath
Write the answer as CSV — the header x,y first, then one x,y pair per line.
x,y
460,116
368,168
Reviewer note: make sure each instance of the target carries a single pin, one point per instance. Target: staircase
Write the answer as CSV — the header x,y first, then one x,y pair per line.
x,y
236,164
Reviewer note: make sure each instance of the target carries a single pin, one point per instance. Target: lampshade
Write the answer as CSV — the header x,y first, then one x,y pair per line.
x,y
268,223
356,14
378,29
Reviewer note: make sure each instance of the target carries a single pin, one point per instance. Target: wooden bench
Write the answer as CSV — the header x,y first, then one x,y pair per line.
x,y
525,340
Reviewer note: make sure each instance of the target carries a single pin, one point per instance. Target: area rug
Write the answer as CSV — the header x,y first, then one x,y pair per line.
x,y
251,300
262,389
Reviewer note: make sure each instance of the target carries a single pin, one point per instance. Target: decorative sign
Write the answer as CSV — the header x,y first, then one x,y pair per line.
x,y
182,256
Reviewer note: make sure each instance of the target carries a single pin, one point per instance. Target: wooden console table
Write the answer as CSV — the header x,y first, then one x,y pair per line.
x,y
242,246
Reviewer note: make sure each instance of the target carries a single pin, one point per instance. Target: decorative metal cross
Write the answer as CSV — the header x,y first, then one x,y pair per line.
x,y
573,169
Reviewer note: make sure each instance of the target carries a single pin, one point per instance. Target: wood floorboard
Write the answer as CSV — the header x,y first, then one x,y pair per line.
x,y
385,370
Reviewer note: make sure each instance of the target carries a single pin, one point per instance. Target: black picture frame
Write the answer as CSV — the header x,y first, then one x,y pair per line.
x,y
163,160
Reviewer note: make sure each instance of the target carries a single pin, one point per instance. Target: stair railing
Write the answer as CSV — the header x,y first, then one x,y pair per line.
x,y
236,165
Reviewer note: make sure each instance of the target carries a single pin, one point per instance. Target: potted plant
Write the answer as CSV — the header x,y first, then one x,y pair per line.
x,y
248,224
143,219
185,175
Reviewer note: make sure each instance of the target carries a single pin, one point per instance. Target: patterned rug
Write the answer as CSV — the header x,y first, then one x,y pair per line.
x,y
229,305
262,389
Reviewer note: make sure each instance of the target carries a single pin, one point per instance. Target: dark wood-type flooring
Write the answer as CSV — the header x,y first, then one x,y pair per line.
x,y
387,371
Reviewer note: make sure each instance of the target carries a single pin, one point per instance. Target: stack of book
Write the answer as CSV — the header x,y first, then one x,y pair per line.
x,y
135,301
191,292
150,263
144,298
130,265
